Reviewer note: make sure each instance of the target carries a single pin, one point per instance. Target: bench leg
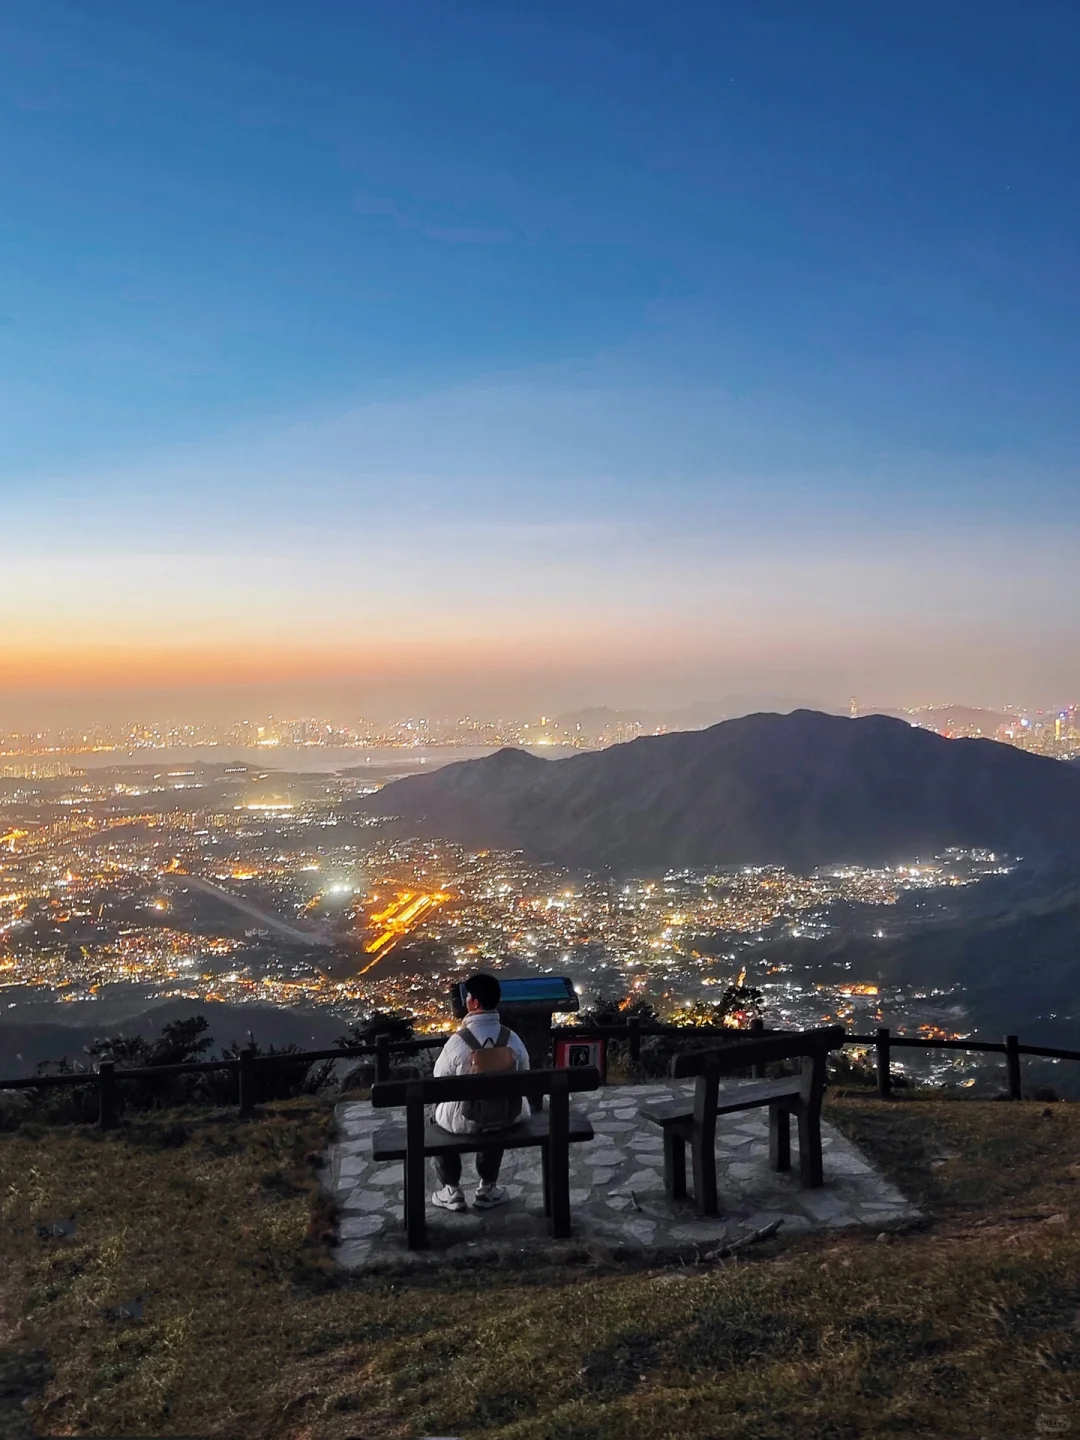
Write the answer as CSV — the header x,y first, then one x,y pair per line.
x,y
415,1207
558,1154
674,1165
415,1193
704,1162
811,1173
559,1189
779,1138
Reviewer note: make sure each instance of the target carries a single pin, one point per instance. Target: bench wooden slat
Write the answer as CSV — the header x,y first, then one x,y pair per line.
x,y
388,1142
742,1054
742,1097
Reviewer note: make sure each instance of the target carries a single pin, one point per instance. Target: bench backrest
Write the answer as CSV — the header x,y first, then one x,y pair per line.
x,y
386,1093
709,1066
763,1050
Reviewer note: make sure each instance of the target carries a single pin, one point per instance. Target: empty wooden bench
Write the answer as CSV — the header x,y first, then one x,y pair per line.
x,y
693,1121
553,1131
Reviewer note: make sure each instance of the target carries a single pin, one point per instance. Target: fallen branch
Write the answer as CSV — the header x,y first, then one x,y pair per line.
x,y
753,1238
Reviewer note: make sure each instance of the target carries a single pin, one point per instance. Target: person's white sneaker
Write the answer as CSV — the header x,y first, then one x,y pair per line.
x,y
450,1197
488,1196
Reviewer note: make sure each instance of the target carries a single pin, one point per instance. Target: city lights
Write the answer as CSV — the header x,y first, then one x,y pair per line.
x,y
227,883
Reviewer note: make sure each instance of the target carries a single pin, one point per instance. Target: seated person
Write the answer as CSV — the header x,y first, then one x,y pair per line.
x,y
483,1046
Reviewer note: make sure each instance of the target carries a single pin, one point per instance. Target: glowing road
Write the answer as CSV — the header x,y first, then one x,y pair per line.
x,y
401,916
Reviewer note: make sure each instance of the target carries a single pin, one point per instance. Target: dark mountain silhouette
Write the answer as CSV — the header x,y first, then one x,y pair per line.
x,y
1011,942
802,789
25,1042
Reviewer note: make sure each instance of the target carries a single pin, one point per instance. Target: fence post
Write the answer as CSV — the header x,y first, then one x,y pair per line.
x,y
382,1056
633,1039
107,1117
1012,1067
884,1078
246,1072
757,1027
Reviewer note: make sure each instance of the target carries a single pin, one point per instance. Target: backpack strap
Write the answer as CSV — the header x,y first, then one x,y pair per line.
x,y
502,1039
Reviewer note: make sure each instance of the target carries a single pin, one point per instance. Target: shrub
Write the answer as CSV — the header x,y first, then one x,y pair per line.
x,y
181,1042
392,1023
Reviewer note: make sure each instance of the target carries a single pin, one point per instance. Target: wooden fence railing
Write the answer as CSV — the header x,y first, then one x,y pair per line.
x,y
107,1077
882,1041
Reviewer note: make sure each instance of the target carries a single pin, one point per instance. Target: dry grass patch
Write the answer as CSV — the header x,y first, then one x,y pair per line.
x,y
968,1328
855,1338
208,1222
958,1158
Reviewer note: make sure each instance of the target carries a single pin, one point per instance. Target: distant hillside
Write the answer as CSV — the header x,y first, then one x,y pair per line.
x,y
24,1044
1011,942
599,720
802,789
1022,970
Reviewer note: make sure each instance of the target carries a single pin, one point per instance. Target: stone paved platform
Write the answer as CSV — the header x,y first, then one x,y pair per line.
x,y
617,1195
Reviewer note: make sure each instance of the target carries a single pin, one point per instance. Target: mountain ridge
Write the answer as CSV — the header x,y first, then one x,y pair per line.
x,y
801,789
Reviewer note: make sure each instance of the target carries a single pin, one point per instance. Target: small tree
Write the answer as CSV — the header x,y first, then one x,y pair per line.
x,y
283,1081
60,1106
391,1023
181,1042
845,1069
739,1004
610,1010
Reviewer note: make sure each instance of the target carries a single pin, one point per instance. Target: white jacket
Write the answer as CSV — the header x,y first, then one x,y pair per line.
x,y
454,1060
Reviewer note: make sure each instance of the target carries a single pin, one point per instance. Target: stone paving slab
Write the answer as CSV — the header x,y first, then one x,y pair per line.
x,y
617,1195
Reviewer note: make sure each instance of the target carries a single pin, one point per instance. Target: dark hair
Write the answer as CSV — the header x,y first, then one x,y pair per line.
x,y
484,989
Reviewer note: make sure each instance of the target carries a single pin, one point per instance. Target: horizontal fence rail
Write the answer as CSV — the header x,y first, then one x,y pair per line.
x,y
882,1041
106,1076
915,1042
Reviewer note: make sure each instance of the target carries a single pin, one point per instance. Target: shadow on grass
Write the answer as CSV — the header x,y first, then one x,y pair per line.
x,y
24,1373
620,1366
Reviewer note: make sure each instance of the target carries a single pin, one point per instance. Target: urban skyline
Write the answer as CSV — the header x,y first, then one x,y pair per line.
x,y
1054,731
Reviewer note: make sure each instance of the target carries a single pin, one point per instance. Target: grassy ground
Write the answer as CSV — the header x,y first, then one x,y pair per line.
x,y
966,1326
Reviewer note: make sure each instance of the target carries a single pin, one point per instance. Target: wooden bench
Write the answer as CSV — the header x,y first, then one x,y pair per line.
x,y
693,1122
553,1130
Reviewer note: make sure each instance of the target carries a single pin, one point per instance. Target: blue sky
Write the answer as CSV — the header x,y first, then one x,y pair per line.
x,y
747,328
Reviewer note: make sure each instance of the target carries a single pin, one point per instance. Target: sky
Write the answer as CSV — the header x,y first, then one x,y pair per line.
x,y
466,354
